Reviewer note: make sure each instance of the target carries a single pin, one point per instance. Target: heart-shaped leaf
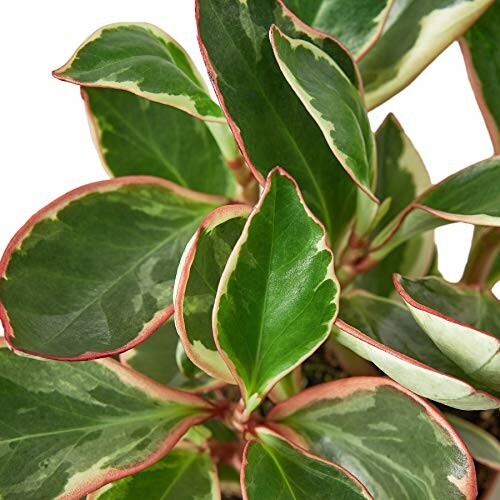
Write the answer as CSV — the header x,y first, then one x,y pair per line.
x,y
394,442
156,358
334,103
355,23
480,48
135,136
401,177
483,446
69,428
183,474
278,295
273,468
271,125
142,59
92,273
384,332
470,195
415,33
199,273
463,322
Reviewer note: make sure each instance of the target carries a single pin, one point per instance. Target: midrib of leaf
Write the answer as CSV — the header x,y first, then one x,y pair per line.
x,y
180,473
115,282
328,221
280,469
119,421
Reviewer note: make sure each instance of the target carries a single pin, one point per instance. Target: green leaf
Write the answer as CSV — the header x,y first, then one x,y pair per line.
x,y
135,136
463,322
270,123
287,387
355,23
334,103
266,321
470,195
384,332
401,176
69,428
275,469
415,33
197,279
142,59
394,442
156,358
92,273
482,58
483,446
183,474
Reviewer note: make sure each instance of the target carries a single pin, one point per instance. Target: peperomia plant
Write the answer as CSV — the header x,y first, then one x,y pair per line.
x,y
234,240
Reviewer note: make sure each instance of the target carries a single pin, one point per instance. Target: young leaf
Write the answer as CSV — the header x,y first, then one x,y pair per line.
x,y
142,59
135,136
394,442
480,48
198,276
415,33
287,387
278,295
334,103
401,176
463,322
69,428
355,23
384,332
470,195
271,125
156,358
92,273
275,469
484,447
183,474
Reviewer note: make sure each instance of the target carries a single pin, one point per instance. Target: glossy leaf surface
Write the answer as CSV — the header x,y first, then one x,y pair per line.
x,y
463,322
415,33
69,428
334,103
266,320
199,274
470,195
355,23
142,59
274,469
384,332
156,358
484,447
135,136
270,123
395,443
480,48
92,273
183,474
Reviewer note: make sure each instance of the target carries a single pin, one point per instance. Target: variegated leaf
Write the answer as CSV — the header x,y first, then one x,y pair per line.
x,y
355,23
266,320
463,322
384,332
199,273
275,469
270,123
415,33
69,428
92,273
394,442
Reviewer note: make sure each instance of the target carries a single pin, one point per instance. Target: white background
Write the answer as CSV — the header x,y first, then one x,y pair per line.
x,y
46,148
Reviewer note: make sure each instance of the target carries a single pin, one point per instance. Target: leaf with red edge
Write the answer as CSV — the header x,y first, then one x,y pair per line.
x,y
275,469
92,273
394,442
67,429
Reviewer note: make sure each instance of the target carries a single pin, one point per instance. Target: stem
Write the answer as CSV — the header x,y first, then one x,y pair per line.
x,y
484,249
